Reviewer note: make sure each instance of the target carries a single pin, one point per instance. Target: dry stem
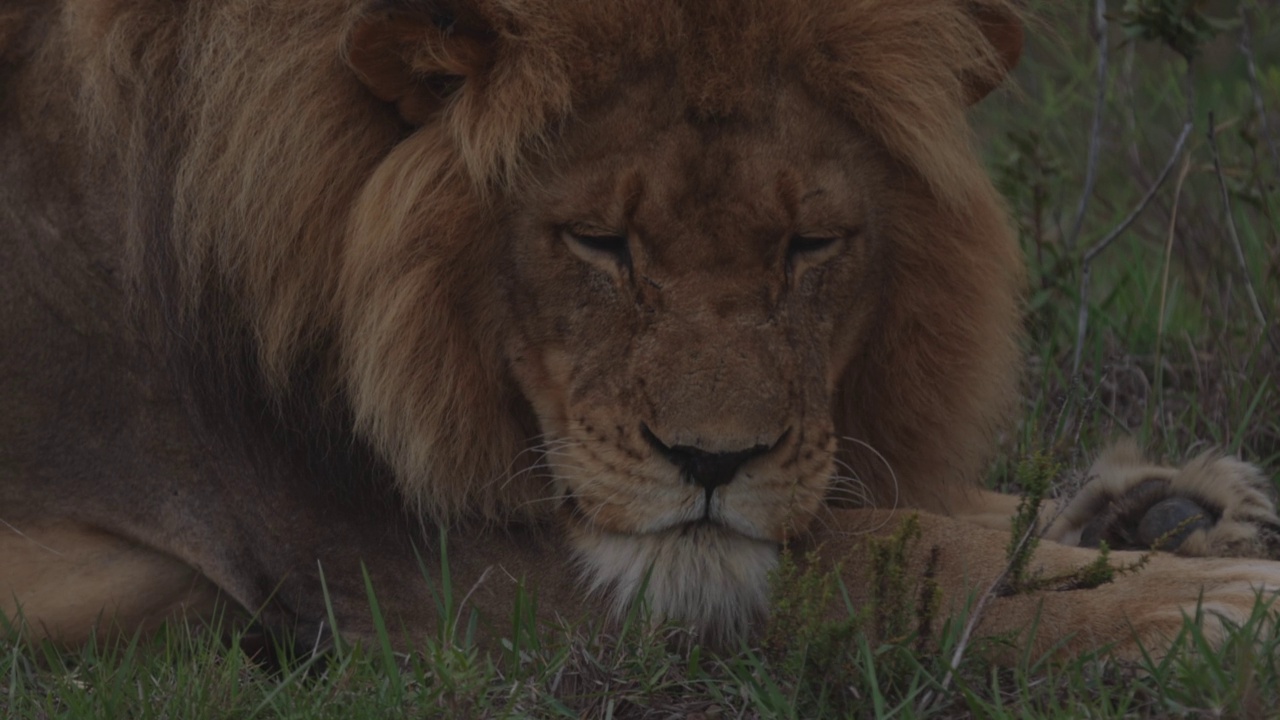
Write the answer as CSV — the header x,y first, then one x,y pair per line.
x,y
1082,322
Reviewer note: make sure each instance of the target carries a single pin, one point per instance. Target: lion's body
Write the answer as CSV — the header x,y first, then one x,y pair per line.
x,y
286,283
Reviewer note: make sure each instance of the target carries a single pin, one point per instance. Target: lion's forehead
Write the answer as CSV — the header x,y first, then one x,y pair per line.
x,y
725,52
895,68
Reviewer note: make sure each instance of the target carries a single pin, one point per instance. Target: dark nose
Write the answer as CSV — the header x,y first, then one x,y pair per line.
x,y
709,470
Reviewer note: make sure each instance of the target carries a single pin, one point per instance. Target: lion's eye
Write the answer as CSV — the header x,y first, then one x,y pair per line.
x,y
805,244
594,245
813,248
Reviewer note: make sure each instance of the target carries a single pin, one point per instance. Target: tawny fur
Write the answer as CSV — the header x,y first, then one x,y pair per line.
x,y
334,231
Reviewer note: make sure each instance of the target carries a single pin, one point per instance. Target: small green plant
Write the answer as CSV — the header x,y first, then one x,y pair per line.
x,y
803,636
904,605
828,652
1034,474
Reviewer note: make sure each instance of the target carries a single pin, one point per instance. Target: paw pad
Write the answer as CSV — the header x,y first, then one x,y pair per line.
x,y
1169,522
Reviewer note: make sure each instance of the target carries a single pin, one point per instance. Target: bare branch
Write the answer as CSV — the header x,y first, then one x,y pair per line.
x,y
1102,244
1231,228
1246,47
1082,321
1158,409
1095,133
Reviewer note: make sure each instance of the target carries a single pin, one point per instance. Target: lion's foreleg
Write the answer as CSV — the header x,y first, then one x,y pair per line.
x,y
1054,606
996,510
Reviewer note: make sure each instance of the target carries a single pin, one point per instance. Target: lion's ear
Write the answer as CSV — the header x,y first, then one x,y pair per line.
x,y
416,56
1003,28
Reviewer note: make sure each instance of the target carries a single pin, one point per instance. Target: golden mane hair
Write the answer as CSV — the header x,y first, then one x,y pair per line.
x,y
284,216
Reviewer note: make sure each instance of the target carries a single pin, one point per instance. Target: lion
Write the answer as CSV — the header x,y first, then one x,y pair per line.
x,y
620,301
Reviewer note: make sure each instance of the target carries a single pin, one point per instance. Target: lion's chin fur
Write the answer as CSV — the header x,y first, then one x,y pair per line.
x,y
708,578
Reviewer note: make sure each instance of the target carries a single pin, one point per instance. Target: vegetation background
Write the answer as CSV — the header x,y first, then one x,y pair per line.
x,y
1139,156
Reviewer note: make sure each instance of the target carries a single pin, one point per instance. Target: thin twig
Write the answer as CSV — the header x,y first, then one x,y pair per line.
x,y
1231,228
1260,108
1246,47
1082,322
1095,133
1164,287
1102,244
1130,108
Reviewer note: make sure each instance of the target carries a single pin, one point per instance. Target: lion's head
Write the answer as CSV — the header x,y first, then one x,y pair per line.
x,y
731,252
677,274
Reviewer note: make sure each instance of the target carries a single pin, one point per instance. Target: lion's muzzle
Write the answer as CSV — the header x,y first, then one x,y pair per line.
x,y
706,469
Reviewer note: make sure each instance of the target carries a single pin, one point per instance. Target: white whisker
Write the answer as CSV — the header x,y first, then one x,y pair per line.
x,y
893,476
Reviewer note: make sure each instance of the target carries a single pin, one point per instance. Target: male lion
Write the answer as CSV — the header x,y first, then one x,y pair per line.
x,y
626,296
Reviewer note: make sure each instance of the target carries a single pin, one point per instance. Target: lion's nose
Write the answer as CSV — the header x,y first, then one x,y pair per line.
x,y
709,470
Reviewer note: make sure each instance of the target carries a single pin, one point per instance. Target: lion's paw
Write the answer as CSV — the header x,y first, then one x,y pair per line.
x,y
1213,506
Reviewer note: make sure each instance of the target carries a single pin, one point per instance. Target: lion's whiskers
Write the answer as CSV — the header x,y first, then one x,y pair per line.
x,y
542,449
867,489
852,490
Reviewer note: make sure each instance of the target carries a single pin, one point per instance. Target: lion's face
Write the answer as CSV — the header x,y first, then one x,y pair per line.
x,y
688,292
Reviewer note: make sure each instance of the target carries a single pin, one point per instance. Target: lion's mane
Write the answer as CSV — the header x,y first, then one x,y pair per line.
x,y
285,221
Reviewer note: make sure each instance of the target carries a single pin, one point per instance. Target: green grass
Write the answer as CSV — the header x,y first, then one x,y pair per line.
x,y
561,672
1182,363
